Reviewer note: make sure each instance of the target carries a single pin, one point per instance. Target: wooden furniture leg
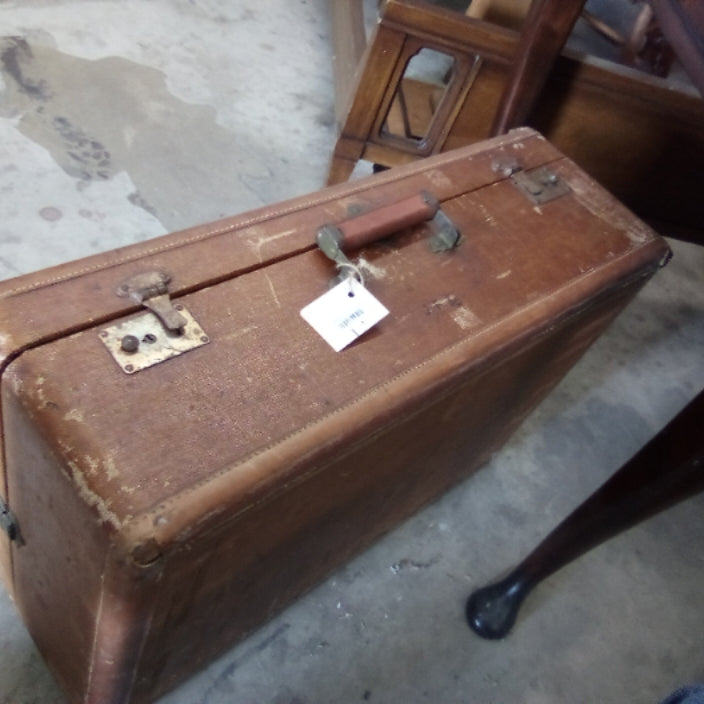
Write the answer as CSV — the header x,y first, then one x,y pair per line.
x,y
349,41
669,469
478,9
546,28
506,13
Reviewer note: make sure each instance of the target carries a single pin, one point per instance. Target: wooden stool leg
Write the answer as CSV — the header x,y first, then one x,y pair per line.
x,y
478,9
340,169
669,469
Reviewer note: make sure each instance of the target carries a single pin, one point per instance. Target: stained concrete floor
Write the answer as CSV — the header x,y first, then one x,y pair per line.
x,y
121,120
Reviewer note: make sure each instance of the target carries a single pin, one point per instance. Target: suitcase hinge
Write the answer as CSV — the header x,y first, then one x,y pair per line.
x,y
540,185
8,522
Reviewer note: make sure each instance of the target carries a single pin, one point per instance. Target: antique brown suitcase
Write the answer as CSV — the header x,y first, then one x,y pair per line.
x,y
173,478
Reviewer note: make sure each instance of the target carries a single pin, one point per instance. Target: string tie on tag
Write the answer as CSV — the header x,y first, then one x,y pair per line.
x,y
352,271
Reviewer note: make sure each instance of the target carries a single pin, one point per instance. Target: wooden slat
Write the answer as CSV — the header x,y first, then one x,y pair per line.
x,y
348,41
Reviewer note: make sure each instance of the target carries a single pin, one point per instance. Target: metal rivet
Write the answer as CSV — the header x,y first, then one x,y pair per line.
x,y
147,553
129,344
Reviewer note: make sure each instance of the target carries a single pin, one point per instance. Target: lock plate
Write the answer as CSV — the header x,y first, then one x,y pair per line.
x,y
143,341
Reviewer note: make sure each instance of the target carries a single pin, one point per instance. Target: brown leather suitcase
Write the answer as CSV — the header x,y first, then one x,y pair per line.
x,y
183,454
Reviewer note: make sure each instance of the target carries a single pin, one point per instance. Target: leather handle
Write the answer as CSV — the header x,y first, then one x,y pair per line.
x,y
369,227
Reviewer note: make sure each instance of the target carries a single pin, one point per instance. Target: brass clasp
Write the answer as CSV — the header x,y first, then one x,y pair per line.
x,y
151,289
167,331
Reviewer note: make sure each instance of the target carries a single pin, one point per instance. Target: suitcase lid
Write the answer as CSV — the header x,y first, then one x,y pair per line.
x,y
44,305
158,452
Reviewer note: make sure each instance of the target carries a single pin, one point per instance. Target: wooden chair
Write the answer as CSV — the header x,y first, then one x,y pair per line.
x,y
630,131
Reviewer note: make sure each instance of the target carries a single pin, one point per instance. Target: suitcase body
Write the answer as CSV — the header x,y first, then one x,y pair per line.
x,y
160,503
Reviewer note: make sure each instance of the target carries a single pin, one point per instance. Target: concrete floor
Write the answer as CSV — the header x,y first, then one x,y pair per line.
x,y
121,120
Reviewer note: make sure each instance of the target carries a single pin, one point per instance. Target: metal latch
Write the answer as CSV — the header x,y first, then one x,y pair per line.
x,y
540,185
151,289
167,331
8,523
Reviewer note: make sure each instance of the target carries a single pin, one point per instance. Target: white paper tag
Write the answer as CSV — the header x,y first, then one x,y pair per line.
x,y
344,313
